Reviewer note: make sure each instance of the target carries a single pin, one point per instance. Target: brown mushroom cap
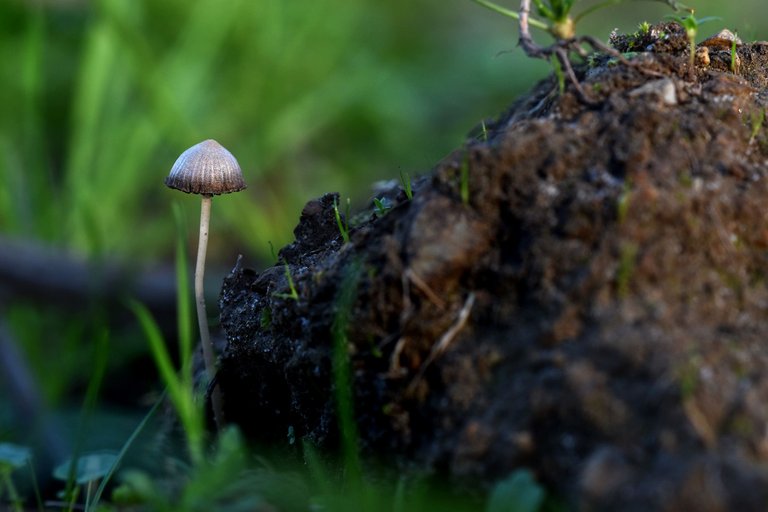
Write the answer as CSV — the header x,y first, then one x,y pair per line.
x,y
206,168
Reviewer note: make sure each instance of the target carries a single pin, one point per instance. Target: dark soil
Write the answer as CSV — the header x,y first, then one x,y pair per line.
x,y
594,311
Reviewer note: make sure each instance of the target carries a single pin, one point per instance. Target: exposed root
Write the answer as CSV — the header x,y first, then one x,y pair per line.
x,y
445,341
561,49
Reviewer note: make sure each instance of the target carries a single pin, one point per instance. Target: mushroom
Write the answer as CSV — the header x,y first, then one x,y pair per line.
x,y
207,169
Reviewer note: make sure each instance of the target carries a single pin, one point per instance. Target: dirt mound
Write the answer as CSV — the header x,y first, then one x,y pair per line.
x,y
580,290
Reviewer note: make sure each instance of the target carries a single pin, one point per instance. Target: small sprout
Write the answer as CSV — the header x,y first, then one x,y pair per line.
x,y
405,179
265,319
561,25
691,25
293,295
342,223
484,132
207,169
464,184
644,28
382,205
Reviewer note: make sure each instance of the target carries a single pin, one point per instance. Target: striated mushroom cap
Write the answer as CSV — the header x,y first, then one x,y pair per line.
x,y
206,168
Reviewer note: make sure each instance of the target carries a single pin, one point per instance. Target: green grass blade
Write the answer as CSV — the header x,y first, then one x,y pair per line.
x,y
342,375
181,396
124,450
183,296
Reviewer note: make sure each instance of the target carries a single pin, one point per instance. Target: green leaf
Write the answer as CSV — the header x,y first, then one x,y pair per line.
x,y
14,455
89,467
517,493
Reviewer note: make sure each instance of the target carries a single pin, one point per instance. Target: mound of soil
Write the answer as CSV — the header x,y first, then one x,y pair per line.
x,y
579,290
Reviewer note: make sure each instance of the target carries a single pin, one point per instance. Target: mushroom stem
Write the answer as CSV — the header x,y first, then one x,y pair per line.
x,y
202,318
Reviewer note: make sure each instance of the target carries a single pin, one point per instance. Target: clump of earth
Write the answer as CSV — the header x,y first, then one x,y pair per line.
x,y
579,290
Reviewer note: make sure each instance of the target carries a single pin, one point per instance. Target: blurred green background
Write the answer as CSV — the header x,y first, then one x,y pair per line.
x,y
98,98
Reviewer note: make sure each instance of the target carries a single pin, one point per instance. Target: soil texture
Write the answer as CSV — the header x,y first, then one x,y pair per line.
x,y
579,290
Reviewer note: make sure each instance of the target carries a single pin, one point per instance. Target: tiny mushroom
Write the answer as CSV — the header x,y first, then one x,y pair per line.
x,y
207,169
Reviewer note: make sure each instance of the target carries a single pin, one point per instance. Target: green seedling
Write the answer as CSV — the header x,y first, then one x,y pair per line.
x,y
559,22
691,25
484,132
382,206
294,295
734,56
405,179
342,223
464,183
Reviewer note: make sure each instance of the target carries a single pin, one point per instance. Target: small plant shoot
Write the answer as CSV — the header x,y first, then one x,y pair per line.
x,y
342,223
559,22
405,179
691,25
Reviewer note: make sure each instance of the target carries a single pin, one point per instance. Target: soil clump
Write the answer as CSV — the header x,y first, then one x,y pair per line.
x,y
579,290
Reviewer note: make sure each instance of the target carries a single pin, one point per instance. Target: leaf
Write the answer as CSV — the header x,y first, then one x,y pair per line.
x,y
519,492
90,467
14,455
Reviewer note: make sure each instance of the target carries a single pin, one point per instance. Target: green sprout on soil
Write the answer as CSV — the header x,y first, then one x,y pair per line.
x,y
560,24
405,179
382,206
291,286
734,55
691,25
464,184
342,223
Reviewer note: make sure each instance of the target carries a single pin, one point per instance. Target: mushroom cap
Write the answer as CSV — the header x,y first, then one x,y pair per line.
x,y
206,168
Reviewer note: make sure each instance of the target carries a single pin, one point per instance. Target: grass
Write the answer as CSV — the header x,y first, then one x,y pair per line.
x,y
342,221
